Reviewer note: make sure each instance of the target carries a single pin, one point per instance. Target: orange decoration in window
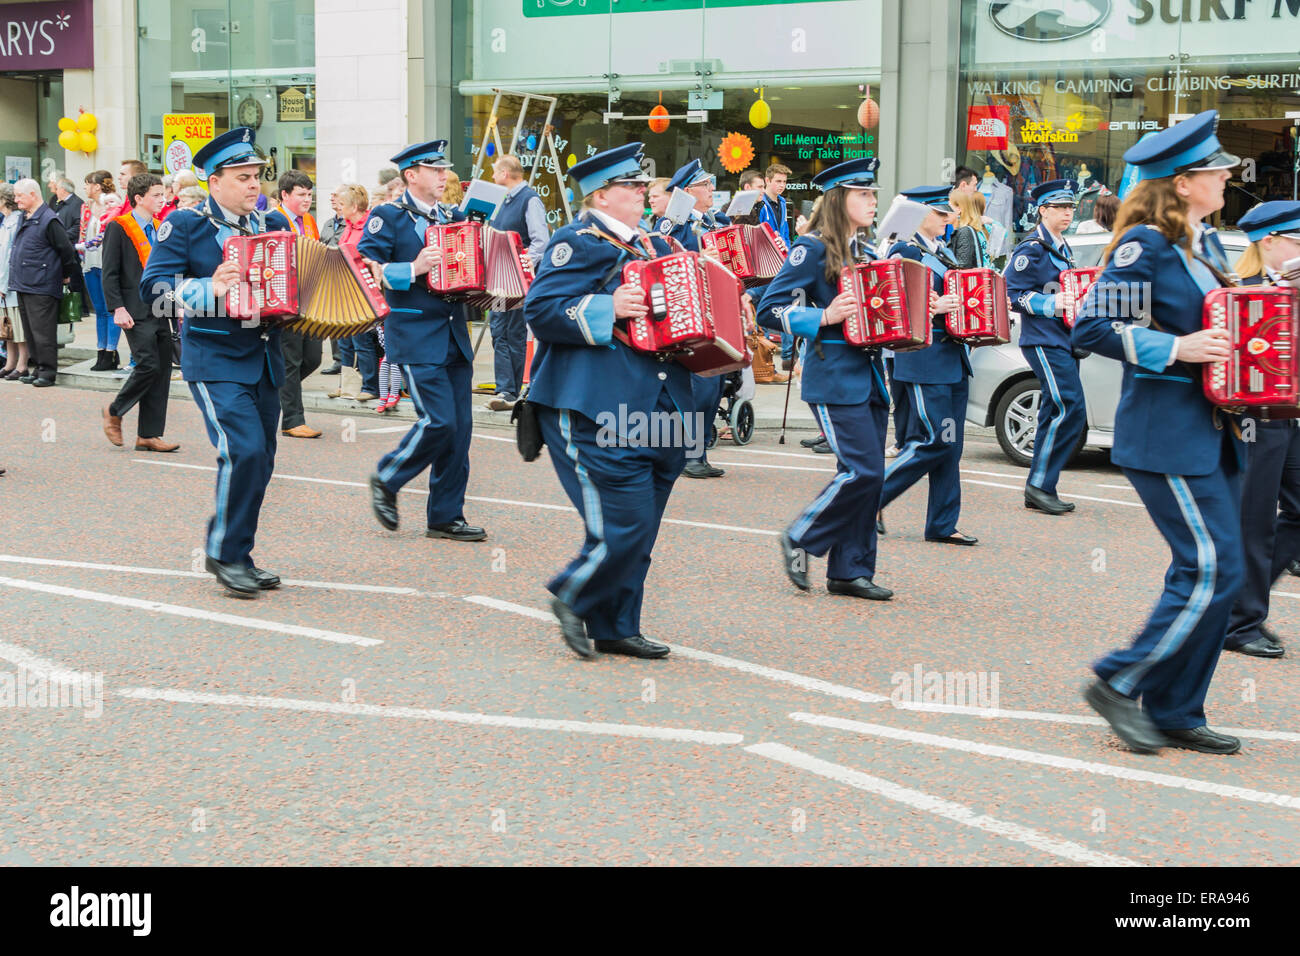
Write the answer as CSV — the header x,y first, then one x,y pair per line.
x,y
736,152
658,119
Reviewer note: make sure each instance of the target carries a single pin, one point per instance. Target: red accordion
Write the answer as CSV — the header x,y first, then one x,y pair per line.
x,y
303,283
1262,373
893,304
754,253
1074,286
981,315
486,267
696,313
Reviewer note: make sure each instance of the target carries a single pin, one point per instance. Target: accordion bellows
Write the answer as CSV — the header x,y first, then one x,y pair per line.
x,y
1261,373
486,267
754,253
892,299
303,285
981,316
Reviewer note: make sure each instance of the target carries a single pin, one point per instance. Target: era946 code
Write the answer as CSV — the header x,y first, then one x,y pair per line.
x,y
1212,897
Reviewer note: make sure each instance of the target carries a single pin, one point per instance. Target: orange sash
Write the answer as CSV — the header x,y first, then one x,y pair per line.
x,y
131,226
308,223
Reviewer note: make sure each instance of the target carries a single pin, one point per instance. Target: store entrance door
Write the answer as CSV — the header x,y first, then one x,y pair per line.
x,y
31,105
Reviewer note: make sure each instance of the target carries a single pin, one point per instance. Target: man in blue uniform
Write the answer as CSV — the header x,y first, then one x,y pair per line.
x,y
611,416
936,381
1033,285
233,368
707,389
428,337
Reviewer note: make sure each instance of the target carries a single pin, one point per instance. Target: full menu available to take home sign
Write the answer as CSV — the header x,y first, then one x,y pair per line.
x,y
47,36
833,147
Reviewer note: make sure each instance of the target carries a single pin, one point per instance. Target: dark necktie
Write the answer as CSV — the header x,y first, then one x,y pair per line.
x,y
243,223
149,232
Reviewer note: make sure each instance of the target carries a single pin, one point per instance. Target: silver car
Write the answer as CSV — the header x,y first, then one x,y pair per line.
x,y
1004,392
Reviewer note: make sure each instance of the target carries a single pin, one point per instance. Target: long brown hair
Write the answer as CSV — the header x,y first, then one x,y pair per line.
x,y
1153,202
830,219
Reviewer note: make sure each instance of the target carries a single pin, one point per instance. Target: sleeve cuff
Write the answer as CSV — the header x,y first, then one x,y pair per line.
x,y
802,321
595,317
1037,303
1148,348
197,296
399,276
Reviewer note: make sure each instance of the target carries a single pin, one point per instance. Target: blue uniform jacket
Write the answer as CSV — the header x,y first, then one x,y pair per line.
x,y
1033,275
944,361
277,221
688,233
422,328
1148,294
793,303
177,281
578,363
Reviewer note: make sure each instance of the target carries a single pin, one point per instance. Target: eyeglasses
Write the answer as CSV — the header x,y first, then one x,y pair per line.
x,y
630,183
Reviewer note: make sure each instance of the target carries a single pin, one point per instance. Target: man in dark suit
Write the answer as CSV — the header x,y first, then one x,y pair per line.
x,y
128,240
68,208
41,262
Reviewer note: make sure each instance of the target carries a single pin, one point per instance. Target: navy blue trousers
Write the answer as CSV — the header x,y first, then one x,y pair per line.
x,y
241,421
936,433
509,342
1171,661
1062,415
1270,523
439,440
841,520
902,403
621,493
707,394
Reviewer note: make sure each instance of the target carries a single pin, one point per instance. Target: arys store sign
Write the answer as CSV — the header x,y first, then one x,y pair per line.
x,y
47,36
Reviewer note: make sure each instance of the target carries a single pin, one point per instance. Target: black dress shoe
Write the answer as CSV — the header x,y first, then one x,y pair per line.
x,y
823,447
235,578
880,522
1259,647
956,538
265,579
1270,635
28,378
335,369
1293,569
1203,739
636,646
795,562
384,503
572,629
1038,500
860,588
43,383
1125,717
701,469
457,530
809,442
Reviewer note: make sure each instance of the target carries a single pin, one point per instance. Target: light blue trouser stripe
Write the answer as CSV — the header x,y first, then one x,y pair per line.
x,y
412,438
217,536
1039,471
909,449
591,515
822,502
1190,616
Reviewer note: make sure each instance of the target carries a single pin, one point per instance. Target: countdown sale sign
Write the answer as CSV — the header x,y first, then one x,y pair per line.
x,y
184,134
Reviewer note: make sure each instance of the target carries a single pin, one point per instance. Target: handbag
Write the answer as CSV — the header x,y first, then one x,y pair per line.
x,y
350,382
528,432
70,306
6,327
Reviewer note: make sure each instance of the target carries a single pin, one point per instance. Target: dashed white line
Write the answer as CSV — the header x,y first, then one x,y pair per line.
x,y
1068,494
448,716
177,610
928,803
1051,760
21,657
385,430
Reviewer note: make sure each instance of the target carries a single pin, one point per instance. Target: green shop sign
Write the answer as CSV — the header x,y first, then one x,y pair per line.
x,y
829,146
560,8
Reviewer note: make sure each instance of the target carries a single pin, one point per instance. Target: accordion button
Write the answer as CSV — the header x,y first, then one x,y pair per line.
x,y
663,376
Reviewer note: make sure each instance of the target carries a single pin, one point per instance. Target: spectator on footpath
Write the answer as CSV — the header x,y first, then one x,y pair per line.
x,y
51,183
521,211
453,194
357,351
129,168
189,197
16,343
393,191
182,181
970,237
772,210
1104,211
103,207
69,208
330,231
41,262
657,196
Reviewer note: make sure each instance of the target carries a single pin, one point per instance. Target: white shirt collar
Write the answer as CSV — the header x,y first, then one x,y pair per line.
x,y
142,217
619,229
227,215
409,198
515,188
931,244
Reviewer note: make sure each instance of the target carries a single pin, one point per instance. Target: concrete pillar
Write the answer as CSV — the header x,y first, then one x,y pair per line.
x,y
109,91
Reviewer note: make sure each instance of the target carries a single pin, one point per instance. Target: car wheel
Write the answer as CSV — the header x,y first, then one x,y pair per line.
x,y
1016,419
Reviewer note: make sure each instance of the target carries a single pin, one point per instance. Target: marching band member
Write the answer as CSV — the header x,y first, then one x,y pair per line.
x,y
428,337
1033,285
699,182
234,369
584,374
1182,455
844,386
936,381
1271,538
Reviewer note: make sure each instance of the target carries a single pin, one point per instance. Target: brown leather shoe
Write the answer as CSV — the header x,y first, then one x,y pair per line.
x,y
154,444
301,431
112,427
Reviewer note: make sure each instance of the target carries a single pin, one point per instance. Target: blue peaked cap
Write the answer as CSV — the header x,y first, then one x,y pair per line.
x,y
854,174
1270,217
689,175
1186,146
933,196
1057,192
233,148
432,153
619,163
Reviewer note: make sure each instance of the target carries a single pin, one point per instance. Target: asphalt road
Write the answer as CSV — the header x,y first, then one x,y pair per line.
x,y
403,700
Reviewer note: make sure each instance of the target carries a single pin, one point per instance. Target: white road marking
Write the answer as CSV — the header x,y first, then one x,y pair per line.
x,y
177,610
25,659
493,438
1117,487
719,660
165,572
448,716
1051,760
928,803
1068,494
756,464
385,430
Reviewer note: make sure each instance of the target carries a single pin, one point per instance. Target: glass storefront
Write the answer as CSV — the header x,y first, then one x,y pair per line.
x,y
1071,91
247,63
611,64
31,105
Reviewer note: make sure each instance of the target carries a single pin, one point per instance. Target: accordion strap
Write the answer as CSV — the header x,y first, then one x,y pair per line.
x,y
218,222
431,215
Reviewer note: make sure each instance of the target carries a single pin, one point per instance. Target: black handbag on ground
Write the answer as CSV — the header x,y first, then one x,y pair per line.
x,y
528,433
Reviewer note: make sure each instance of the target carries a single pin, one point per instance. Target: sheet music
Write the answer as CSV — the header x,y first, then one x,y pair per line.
x,y
680,206
743,203
902,221
483,198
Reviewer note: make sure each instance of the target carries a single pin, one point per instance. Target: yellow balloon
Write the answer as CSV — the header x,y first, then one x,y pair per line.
x,y
86,123
760,114
570,160
68,139
67,124
87,143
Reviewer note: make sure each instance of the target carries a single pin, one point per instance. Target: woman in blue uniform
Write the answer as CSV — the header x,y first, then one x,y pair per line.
x,y
1270,488
844,386
1183,455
